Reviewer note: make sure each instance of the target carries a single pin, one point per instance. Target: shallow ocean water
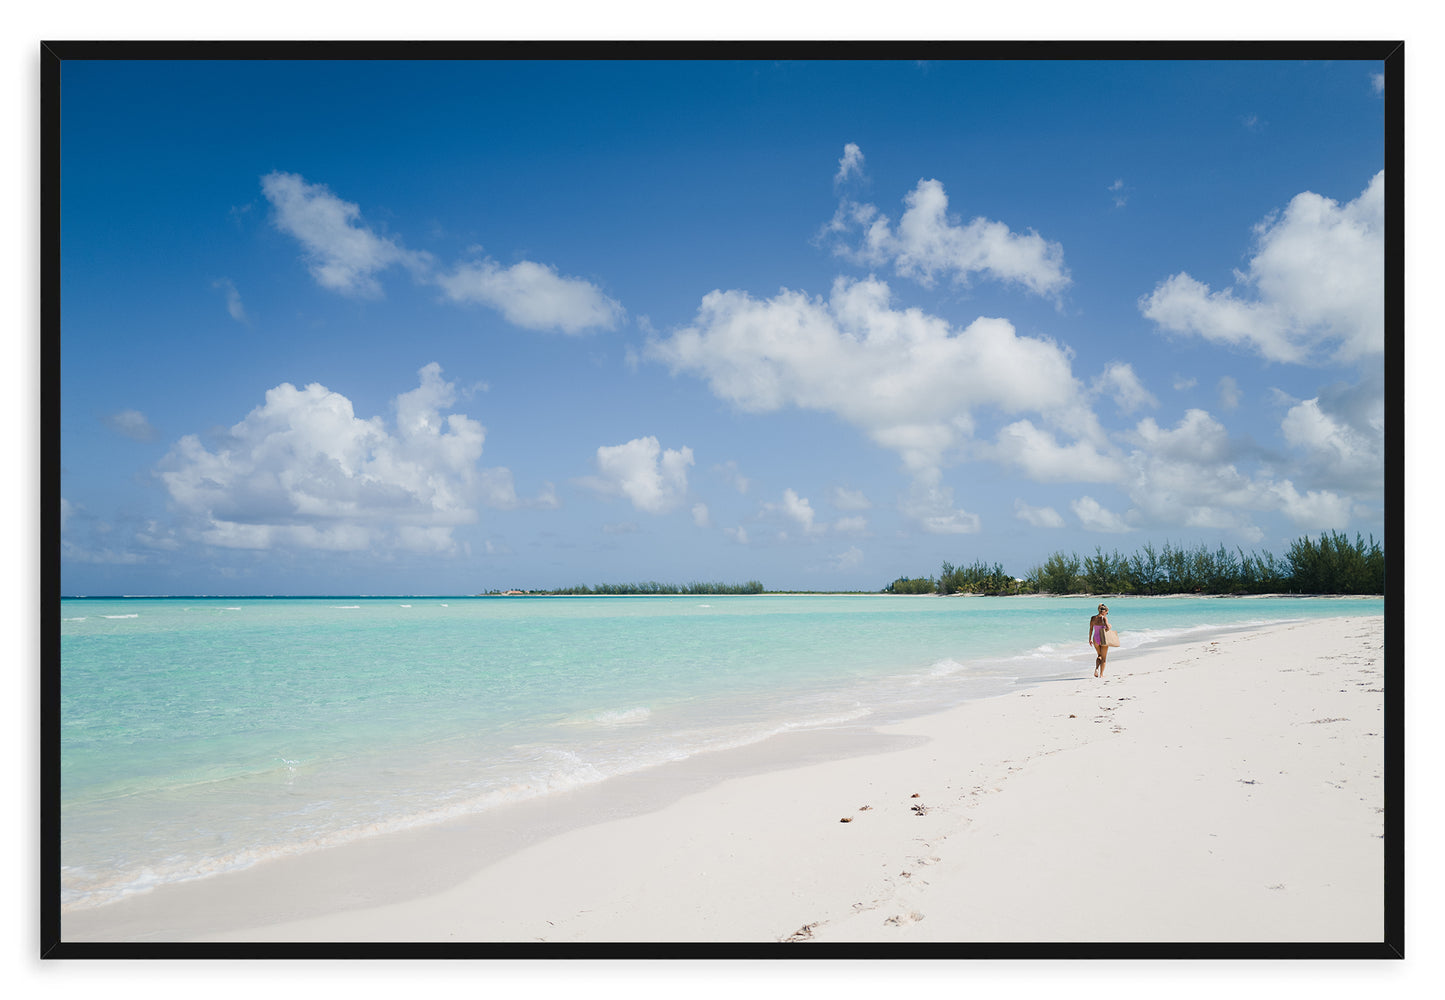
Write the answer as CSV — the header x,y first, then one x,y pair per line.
x,y
204,735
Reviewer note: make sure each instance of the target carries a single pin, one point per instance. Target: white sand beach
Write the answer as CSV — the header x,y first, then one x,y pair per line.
x,y
1228,789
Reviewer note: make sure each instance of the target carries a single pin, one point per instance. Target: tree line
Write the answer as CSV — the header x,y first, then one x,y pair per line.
x,y
651,587
1333,564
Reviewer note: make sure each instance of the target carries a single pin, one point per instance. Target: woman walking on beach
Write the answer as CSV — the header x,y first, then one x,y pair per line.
x,y
1098,625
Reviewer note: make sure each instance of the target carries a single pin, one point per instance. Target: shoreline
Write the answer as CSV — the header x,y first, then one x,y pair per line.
x,y
765,593
1069,810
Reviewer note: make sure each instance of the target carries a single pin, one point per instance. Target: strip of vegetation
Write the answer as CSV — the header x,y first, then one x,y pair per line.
x,y
1331,565
651,587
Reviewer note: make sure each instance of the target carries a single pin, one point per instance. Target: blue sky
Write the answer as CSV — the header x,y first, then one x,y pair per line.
x,y
447,327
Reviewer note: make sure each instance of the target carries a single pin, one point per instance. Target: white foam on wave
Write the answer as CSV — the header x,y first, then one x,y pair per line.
x,y
1148,636
946,667
834,719
623,717
609,717
553,769
120,616
346,607
72,619
737,740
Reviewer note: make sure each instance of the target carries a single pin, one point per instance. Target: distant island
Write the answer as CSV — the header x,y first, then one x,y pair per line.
x,y
1332,565
651,588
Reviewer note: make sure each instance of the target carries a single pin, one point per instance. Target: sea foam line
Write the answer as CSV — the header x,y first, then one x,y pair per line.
x,y
569,770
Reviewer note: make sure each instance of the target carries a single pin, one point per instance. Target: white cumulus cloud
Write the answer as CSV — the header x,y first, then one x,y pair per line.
x,y
930,505
654,480
1039,517
1119,382
1307,426
343,254
1340,436
798,510
850,165
131,423
928,242
303,470
1095,517
533,296
908,380
1190,475
1314,287
1197,437
1313,510
1038,453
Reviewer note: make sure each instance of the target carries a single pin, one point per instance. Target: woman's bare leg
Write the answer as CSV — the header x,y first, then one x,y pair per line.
x,y
1103,658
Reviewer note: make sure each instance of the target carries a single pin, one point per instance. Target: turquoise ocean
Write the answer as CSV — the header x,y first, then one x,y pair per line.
x,y
205,735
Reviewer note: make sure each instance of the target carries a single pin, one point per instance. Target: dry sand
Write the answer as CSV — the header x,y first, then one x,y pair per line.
x,y
1228,789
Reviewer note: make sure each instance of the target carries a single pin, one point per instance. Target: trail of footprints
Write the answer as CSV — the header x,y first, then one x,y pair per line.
x,y
910,874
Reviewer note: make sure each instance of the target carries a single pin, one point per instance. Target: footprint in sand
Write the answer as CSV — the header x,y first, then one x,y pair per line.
x,y
902,919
